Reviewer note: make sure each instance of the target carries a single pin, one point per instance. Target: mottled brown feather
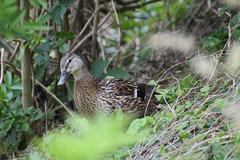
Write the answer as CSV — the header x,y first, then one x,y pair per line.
x,y
92,95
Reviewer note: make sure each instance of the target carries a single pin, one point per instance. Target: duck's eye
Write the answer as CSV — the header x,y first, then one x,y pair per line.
x,y
70,60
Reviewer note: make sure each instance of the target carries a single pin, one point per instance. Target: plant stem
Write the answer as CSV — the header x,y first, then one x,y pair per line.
x,y
26,68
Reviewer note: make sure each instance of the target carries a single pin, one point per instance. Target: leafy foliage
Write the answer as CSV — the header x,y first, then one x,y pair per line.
x,y
10,23
215,41
15,121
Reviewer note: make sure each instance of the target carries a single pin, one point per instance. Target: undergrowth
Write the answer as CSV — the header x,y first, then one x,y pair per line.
x,y
191,124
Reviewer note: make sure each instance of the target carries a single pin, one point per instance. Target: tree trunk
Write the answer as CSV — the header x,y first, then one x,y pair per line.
x,y
26,68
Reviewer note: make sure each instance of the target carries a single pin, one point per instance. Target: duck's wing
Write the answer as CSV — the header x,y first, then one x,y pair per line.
x,y
118,87
130,96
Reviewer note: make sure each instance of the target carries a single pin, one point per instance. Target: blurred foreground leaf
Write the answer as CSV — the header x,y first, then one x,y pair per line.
x,y
87,140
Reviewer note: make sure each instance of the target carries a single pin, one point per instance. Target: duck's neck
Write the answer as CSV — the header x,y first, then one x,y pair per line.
x,y
81,74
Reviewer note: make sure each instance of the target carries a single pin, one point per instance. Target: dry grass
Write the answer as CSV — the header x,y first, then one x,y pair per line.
x,y
179,42
204,67
232,62
195,130
233,113
233,3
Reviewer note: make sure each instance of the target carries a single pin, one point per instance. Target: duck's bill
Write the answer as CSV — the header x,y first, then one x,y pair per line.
x,y
63,78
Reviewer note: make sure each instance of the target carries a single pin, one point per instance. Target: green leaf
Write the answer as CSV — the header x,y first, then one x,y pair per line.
x,y
42,48
235,20
5,126
8,79
10,95
102,135
34,26
57,12
39,71
152,82
183,135
65,35
215,41
16,87
139,124
159,97
217,151
119,73
25,127
184,106
34,156
64,48
187,82
38,3
97,68
220,103
2,94
205,90
236,34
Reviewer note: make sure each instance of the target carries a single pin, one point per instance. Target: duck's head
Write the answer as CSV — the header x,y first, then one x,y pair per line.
x,y
70,64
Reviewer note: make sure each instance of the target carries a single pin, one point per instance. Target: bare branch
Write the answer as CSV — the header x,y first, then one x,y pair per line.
x,y
4,44
81,42
12,57
119,34
86,25
89,34
55,97
2,69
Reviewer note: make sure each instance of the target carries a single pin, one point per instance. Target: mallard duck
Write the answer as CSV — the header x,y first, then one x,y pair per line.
x,y
92,95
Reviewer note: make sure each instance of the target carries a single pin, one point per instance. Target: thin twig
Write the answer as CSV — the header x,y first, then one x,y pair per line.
x,y
12,57
171,109
119,34
4,44
105,18
229,30
179,88
225,46
80,42
46,119
102,53
2,69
